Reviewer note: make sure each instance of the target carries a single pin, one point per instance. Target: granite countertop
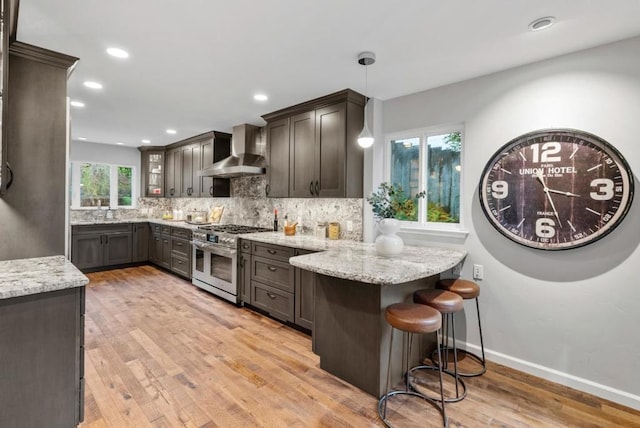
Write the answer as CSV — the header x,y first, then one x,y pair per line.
x,y
361,263
304,242
23,277
358,261
175,223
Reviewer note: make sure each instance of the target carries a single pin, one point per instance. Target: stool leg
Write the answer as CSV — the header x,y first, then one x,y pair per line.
x,y
484,362
444,413
455,353
406,365
384,413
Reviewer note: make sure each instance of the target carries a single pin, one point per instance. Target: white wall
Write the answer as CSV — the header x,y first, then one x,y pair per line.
x,y
106,153
571,316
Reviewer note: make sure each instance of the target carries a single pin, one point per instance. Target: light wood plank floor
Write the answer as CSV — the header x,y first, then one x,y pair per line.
x,y
162,353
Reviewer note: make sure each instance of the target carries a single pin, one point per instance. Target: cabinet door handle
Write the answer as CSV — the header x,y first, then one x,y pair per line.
x,y
172,191
100,239
267,189
317,188
271,268
242,262
311,187
271,296
106,239
10,180
210,190
271,251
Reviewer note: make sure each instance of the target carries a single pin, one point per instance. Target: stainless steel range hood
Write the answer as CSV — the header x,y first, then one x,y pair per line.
x,y
247,155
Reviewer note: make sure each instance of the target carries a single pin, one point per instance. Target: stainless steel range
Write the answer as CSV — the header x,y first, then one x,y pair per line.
x,y
215,259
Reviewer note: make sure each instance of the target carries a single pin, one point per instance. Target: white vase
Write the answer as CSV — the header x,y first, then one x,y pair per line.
x,y
387,242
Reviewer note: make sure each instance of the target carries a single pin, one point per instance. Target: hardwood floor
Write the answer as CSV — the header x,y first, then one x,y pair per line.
x,y
162,353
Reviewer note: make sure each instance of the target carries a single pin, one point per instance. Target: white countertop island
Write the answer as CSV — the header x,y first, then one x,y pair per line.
x,y
36,275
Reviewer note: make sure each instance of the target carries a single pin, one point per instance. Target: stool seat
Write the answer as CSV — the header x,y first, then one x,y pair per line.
x,y
466,289
413,318
445,302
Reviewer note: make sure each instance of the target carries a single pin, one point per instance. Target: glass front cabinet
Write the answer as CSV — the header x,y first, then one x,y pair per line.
x,y
153,173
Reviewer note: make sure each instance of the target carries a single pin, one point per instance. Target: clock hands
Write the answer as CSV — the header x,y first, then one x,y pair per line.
x,y
560,192
546,191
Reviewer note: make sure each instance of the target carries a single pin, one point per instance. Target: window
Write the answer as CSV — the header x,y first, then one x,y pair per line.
x,y
104,185
429,160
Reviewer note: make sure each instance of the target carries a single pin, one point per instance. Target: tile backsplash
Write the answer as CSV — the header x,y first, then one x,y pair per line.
x,y
248,205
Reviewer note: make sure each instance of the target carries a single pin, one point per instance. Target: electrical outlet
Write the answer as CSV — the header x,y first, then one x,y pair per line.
x,y
478,272
349,226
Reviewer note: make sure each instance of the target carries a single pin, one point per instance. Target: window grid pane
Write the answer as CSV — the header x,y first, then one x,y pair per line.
x,y
443,178
94,185
124,186
405,167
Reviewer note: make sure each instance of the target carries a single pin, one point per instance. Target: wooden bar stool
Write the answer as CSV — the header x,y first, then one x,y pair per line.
x,y
447,303
467,290
411,318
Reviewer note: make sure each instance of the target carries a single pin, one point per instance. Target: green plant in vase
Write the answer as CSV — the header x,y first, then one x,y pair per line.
x,y
390,201
390,204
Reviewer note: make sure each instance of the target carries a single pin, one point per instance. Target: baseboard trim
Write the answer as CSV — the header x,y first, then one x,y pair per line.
x,y
603,391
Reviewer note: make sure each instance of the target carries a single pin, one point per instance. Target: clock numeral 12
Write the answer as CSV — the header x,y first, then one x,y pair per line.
x,y
548,149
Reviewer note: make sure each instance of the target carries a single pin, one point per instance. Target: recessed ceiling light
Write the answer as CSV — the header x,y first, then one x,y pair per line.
x,y
120,144
118,53
542,23
171,131
77,103
145,141
93,85
260,97
82,139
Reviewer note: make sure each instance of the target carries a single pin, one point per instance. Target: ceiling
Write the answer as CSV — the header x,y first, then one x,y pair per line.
x,y
196,67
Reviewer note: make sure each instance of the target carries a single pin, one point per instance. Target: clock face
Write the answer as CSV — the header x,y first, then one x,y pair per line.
x,y
556,189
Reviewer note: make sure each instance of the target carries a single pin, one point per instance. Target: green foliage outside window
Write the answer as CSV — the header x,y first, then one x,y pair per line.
x,y
95,182
390,201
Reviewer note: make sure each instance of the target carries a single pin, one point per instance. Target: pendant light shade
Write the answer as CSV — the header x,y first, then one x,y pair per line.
x,y
365,139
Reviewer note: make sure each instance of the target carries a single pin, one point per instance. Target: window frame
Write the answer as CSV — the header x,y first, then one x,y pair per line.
x,y
422,226
113,186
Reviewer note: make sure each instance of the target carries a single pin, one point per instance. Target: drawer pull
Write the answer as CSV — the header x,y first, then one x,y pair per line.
x,y
272,251
179,262
271,268
271,296
179,244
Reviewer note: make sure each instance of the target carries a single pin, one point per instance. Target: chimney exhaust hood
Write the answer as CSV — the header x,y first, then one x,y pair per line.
x,y
247,155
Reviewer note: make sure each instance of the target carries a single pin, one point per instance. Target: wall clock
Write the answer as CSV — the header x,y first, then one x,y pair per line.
x,y
556,189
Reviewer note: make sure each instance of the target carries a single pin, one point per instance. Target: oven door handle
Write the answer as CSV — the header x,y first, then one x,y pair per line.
x,y
218,251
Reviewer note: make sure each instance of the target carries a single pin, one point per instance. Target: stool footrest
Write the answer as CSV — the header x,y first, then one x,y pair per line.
x,y
479,360
459,381
385,397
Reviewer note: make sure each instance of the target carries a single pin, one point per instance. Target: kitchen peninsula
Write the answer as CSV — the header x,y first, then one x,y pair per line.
x,y
353,286
41,342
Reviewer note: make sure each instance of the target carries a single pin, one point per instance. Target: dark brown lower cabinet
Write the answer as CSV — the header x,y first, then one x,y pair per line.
x,y
267,281
96,246
42,359
244,276
140,244
305,290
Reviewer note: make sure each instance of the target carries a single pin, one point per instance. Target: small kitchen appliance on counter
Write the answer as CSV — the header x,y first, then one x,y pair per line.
x,y
215,258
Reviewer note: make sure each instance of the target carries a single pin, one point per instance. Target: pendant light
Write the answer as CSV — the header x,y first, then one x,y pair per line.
x,y
365,139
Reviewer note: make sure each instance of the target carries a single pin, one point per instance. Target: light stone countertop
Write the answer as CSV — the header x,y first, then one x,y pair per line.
x,y
305,242
358,261
175,223
36,275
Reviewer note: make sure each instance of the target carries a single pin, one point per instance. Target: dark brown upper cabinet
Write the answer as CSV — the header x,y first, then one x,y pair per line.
x,y
185,159
153,168
313,149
